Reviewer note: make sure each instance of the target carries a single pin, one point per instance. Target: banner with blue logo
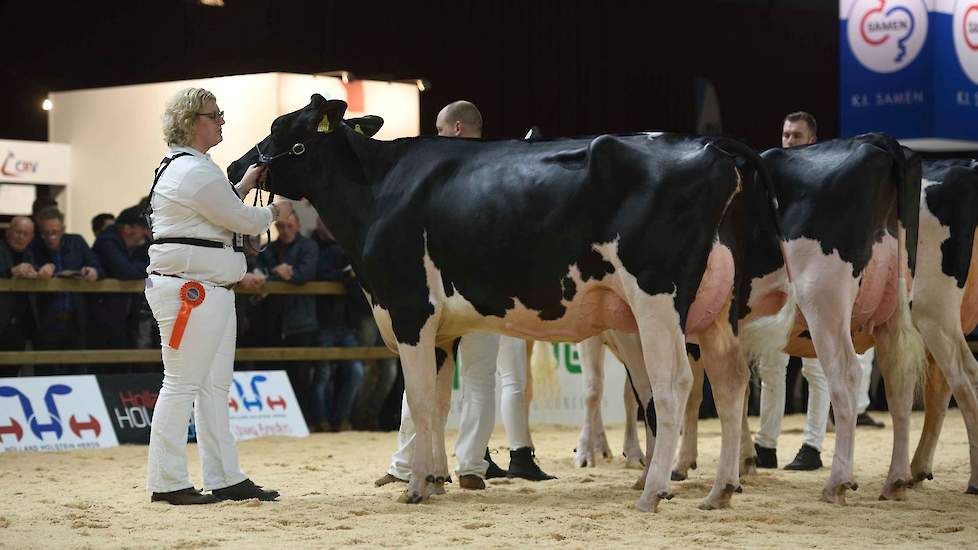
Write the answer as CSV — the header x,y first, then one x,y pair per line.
x,y
262,403
956,69
53,413
886,64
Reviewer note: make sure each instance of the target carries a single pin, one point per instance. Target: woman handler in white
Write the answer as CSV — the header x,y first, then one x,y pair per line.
x,y
197,217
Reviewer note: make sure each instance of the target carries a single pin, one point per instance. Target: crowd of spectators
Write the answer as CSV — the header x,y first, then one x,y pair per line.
x,y
332,394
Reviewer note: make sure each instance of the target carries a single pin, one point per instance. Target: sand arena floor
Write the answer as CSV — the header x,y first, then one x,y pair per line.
x,y
95,499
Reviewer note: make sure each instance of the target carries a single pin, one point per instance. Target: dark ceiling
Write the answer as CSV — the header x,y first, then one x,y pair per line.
x,y
570,66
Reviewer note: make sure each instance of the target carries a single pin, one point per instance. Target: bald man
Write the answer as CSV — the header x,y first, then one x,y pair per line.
x,y
16,309
459,119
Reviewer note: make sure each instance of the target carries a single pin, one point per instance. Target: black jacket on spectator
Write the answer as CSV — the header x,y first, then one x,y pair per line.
x,y
296,312
74,255
112,311
21,306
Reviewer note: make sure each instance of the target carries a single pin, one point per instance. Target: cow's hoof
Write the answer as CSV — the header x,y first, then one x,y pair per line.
x,y
409,497
718,500
634,463
634,458
438,488
639,484
971,490
678,476
837,494
739,489
652,504
897,490
583,460
921,477
748,466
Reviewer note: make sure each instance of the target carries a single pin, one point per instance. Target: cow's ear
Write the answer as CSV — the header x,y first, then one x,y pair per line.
x,y
331,112
366,125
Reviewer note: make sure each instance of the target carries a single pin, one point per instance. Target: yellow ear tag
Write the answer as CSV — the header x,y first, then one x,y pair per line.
x,y
358,130
324,125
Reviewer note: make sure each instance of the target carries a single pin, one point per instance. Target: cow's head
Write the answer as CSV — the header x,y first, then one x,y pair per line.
x,y
298,145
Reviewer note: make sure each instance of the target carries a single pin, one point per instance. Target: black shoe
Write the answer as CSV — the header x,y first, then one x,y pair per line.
x,y
183,497
522,464
244,491
494,470
766,458
807,459
865,420
472,482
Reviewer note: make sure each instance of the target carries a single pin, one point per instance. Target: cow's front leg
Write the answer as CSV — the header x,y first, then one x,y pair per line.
x,y
418,362
443,389
593,441
664,350
686,460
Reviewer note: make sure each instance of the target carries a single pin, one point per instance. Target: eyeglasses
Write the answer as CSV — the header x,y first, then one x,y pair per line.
x,y
213,116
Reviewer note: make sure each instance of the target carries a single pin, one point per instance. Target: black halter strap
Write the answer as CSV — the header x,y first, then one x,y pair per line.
x,y
164,164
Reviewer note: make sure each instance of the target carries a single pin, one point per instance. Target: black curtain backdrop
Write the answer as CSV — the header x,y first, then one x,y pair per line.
x,y
572,67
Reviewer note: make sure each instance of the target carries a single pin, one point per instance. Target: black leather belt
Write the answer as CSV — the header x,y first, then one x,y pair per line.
x,y
196,242
228,287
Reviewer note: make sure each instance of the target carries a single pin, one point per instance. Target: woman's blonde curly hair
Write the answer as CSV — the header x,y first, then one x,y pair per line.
x,y
180,114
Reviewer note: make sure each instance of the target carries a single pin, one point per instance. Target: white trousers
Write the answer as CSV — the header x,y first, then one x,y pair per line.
x,y
196,378
482,354
772,375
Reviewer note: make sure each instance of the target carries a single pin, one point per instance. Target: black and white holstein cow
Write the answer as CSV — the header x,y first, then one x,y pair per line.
x,y
849,214
552,240
945,304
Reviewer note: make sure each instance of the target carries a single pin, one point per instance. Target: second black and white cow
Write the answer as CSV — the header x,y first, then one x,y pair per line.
x,y
849,214
552,240
945,304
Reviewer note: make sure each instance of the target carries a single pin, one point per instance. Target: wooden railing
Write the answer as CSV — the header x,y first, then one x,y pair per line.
x,y
111,356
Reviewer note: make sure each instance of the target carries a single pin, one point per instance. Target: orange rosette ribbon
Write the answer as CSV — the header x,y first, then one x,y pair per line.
x,y
191,296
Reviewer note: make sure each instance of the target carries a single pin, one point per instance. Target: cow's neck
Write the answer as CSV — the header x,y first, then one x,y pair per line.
x,y
347,202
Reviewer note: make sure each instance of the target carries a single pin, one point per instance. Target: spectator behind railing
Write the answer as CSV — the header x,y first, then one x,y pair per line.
x,y
291,320
335,383
100,222
61,315
114,317
18,310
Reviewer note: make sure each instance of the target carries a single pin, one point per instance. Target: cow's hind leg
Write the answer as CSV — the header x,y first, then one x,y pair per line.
x,y
728,374
628,348
593,441
937,397
902,358
664,350
686,460
418,361
443,391
631,448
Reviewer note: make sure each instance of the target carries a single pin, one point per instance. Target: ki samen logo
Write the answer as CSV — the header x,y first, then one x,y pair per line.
x,y
965,25
887,35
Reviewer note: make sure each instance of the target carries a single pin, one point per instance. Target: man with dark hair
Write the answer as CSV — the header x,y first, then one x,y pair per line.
x,y
120,251
799,128
61,319
101,221
17,309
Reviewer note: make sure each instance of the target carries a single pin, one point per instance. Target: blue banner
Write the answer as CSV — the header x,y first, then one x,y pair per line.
x,y
956,72
886,65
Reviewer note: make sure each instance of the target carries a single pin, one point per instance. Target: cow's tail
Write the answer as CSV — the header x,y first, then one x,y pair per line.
x,y
905,350
767,335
